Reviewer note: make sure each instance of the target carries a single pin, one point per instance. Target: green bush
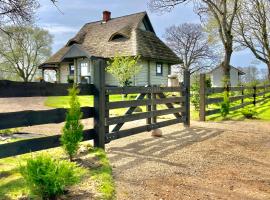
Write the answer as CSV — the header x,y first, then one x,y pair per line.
x,y
248,113
47,177
225,105
195,95
73,129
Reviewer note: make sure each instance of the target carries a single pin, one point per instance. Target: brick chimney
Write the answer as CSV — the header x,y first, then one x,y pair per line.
x,y
106,16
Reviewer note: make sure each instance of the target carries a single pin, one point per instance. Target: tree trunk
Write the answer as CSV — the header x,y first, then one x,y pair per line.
x,y
268,66
226,66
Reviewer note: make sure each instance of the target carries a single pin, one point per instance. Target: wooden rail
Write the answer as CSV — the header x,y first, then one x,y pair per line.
x,y
246,92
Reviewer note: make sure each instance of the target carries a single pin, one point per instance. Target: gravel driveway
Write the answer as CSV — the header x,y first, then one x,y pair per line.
x,y
227,160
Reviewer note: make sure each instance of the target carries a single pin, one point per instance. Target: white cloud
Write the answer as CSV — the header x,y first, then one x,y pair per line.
x,y
59,29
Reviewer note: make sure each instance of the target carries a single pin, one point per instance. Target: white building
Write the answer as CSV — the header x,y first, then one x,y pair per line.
x,y
217,75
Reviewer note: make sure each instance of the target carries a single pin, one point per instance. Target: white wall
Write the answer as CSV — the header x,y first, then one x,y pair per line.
x,y
217,77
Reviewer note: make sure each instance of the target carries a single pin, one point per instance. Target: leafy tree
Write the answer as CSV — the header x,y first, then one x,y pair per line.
x,y
73,129
252,29
222,12
123,68
23,49
190,43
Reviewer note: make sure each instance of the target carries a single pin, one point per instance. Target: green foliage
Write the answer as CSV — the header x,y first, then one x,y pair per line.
x,y
248,112
225,105
123,68
48,177
195,95
73,129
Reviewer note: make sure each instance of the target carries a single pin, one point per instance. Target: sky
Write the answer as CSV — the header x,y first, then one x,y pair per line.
x,y
73,14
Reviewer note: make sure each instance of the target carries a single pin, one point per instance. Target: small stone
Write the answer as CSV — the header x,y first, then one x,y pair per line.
x,y
157,133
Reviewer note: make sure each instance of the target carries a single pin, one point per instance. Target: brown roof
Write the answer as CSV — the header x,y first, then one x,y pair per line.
x,y
96,39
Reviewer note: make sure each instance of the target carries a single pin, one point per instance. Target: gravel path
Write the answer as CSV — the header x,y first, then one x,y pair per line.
x,y
227,160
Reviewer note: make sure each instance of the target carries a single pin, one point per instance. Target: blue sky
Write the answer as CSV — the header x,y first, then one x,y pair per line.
x,y
78,12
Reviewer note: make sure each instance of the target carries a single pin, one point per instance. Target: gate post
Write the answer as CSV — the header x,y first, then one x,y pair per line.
x,y
202,97
99,102
187,97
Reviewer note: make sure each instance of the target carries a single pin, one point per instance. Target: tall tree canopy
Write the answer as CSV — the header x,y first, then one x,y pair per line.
x,y
23,49
253,29
222,11
190,43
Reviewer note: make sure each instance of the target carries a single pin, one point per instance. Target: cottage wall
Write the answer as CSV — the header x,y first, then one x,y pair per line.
x,y
217,77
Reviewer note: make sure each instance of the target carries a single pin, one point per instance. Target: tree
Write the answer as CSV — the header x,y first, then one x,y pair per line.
x,y
223,12
190,43
16,12
73,129
23,49
123,68
253,29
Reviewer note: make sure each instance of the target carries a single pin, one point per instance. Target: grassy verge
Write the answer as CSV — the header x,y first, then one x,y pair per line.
x,y
12,185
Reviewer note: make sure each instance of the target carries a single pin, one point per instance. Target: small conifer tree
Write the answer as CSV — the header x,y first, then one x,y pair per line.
x,y
73,129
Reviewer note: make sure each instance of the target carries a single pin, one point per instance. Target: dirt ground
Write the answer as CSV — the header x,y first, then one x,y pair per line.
x,y
225,160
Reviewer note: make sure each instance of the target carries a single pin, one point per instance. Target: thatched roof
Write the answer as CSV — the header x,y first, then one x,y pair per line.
x,y
97,39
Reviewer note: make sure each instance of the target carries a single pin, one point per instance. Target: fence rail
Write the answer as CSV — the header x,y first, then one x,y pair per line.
x,y
150,97
245,93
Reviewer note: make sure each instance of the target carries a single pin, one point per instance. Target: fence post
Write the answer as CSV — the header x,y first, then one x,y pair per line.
x,y
186,93
202,97
243,93
154,106
99,103
254,95
148,108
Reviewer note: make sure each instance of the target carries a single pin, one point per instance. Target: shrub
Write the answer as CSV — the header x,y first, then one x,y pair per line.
x,y
195,97
248,113
225,105
48,177
73,129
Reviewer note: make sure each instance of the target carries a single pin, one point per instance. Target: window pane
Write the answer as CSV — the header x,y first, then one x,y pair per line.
x,y
85,69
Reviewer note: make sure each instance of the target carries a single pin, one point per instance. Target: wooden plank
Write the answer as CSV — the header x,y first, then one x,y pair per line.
x,y
140,129
128,112
214,90
31,118
236,98
214,100
169,103
261,94
140,89
138,116
186,94
240,106
211,112
203,102
143,102
99,102
233,89
21,89
37,144
261,100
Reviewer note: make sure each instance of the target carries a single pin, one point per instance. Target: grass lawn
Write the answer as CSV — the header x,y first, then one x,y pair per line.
x,y
12,185
262,109
63,102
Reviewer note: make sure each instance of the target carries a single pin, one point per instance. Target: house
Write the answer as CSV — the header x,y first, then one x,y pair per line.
x,y
217,75
130,35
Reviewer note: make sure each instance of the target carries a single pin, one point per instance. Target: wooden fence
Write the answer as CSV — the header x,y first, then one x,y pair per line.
x,y
243,94
149,96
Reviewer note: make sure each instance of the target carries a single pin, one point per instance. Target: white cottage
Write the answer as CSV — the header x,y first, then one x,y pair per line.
x,y
217,75
130,35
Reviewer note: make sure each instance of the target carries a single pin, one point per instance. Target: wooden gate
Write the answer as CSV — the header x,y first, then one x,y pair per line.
x,y
150,97
175,99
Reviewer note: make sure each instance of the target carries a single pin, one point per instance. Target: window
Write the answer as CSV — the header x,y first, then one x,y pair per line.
x,y
71,69
159,69
85,70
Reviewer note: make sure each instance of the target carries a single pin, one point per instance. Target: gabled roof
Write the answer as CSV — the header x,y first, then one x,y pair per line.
x,y
95,39
239,71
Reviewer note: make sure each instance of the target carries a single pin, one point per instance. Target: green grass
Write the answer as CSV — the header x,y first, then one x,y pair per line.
x,y
13,186
262,109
